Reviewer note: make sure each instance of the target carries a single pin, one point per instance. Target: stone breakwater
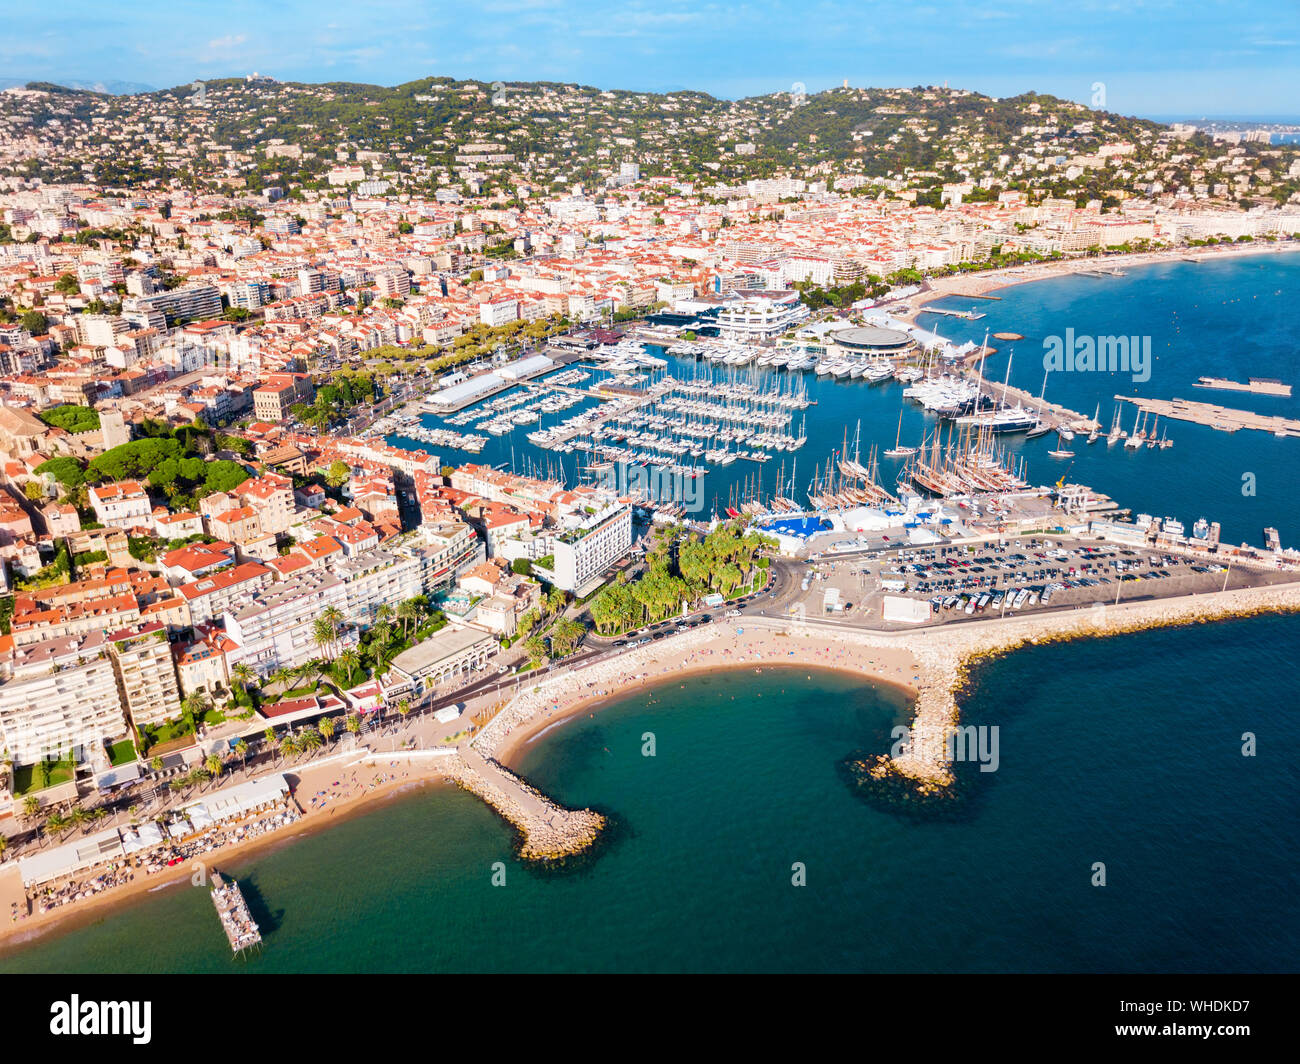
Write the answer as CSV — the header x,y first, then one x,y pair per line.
x,y
934,662
945,655
547,831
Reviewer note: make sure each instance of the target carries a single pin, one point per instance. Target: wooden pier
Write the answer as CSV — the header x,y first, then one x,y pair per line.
x,y
1222,418
236,920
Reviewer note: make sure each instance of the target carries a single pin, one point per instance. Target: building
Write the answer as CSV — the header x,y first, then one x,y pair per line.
x,y
123,504
445,655
187,303
272,401
276,629
582,554
58,695
146,676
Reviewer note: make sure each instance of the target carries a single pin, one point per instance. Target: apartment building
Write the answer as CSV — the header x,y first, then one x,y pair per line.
x,y
124,504
583,553
146,675
220,592
276,629
271,402
58,695
377,578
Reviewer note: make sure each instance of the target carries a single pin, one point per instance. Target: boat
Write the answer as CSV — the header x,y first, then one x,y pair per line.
x,y
1061,451
1116,433
1041,429
1135,440
898,451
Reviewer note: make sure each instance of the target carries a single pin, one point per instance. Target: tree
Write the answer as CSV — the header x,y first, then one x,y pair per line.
x,y
214,765
242,675
34,322
323,633
309,739
337,474
67,284
535,646
349,660
565,637
353,723
34,490
31,806
241,748
327,728
403,707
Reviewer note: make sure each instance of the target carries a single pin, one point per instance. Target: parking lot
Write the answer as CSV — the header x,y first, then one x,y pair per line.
x,y
960,582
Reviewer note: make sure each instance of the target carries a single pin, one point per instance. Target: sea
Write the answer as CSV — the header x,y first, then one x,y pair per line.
x,y
1142,816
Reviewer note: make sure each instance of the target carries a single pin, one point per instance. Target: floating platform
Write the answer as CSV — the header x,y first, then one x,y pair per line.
x,y
1222,418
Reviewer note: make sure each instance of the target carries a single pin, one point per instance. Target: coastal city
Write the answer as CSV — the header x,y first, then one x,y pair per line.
x,y
354,438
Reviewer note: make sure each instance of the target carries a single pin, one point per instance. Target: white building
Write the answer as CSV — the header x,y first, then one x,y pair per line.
x,y
583,553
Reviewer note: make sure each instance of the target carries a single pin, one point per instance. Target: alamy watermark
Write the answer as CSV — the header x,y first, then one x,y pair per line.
x,y
655,484
970,742
1098,354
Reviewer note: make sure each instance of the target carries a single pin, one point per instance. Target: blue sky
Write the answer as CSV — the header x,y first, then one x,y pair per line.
x,y
1153,56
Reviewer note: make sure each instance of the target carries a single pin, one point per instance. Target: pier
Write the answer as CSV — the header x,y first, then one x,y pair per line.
x,y
548,832
236,920
1222,418
969,315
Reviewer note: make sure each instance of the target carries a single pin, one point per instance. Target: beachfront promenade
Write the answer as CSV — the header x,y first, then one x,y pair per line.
x,y
928,665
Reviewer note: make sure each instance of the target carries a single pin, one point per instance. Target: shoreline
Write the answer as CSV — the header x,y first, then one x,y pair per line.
x,y
66,918
522,738
939,660
980,283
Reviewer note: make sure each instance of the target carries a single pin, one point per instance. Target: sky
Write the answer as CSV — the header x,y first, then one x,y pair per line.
x,y
1143,57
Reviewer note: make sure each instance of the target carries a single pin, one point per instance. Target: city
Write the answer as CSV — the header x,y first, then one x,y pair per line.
x,y
361,441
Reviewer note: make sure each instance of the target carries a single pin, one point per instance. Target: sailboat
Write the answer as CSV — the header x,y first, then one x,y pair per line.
x,y
1152,441
1095,434
898,451
1116,433
1135,440
1061,450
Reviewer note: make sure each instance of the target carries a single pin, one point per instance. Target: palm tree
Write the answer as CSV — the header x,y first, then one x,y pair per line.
x,y
327,727
195,705
535,645
323,633
349,660
406,612
56,823
403,707
241,748
31,806
214,765
353,723
288,746
335,617
156,763
309,739
243,675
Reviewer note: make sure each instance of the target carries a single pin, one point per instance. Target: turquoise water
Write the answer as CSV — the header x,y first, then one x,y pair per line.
x,y
1232,318
1124,751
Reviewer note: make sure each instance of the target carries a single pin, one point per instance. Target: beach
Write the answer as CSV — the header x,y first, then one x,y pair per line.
x,y
983,282
348,797
929,666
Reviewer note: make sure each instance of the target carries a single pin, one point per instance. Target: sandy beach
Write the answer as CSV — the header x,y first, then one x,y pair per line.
x,y
928,666
984,282
358,788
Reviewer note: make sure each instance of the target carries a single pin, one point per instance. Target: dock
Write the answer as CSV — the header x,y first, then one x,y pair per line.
x,y
969,315
1222,418
236,920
